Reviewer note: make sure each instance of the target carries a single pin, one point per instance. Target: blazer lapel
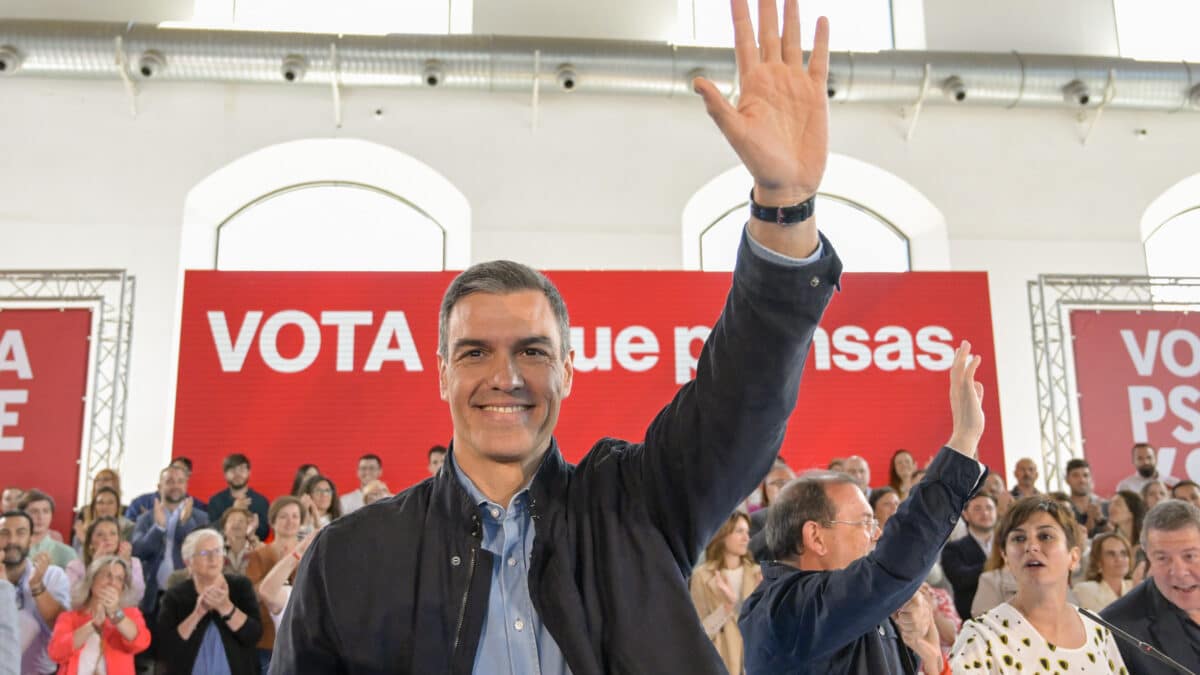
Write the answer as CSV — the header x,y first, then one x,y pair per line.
x,y
1166,627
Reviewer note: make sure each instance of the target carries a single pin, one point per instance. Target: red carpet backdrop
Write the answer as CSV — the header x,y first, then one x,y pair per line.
x,y
1137,374
322,367
43,381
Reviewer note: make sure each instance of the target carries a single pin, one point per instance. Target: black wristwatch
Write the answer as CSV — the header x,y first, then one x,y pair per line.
x,y
783,215
227,617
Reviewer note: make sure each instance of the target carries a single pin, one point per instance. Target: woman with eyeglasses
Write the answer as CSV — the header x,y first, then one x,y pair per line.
x,y
1037,630
284,517
103,538
105,630
320,502
208,623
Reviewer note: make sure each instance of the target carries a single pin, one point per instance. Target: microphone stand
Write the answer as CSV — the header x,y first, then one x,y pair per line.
x,y
1142,647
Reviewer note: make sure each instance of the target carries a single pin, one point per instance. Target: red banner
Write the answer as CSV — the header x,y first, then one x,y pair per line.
x,y
323,367
43,381
1136,373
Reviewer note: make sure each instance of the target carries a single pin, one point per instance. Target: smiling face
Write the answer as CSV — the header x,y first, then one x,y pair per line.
x,y
1175,565
904,465
855,535
1037,552
1114,559
14,539
106,505
105,539
504,376
207,560
287,521
322,495
368,470
1154,493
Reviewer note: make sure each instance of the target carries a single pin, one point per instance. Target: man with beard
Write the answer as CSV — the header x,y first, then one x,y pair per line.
x,y
1090,510
1146,470
1026,472
43,591
237,476
160,532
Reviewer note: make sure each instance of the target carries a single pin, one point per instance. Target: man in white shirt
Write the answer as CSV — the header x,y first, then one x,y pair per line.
x,y
370,468
42,592
1146,470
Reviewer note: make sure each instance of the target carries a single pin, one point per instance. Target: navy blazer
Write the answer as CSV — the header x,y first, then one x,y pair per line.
x,y
837,622
1147,615
148,546
963,561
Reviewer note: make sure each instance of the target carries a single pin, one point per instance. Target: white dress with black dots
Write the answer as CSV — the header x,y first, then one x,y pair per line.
x,y
1002,642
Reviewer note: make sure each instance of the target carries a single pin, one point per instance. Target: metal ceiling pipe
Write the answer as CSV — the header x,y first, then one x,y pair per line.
x,y
81,50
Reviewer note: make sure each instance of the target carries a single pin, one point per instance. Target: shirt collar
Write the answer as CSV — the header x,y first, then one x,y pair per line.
x,y
477,496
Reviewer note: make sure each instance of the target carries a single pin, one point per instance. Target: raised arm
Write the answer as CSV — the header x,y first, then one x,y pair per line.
x,y
708,448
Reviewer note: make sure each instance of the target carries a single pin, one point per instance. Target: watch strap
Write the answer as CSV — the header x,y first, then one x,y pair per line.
x,y
783,215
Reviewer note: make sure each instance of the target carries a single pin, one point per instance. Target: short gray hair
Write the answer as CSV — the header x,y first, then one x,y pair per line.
x,y
1170,515
800,501
190,542
82,592
501,277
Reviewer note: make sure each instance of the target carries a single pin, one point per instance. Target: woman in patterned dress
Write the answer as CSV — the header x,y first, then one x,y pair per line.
x,y
1037,631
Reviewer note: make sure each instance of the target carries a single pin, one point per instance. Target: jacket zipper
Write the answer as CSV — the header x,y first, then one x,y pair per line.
x,y
462,609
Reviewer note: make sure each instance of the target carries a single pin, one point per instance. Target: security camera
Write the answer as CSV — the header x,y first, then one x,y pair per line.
x,y
10,59
1076,92
954,89
567,79
151,63
433,72
294,67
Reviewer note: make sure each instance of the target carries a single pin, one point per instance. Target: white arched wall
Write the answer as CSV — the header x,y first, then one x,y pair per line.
x,y
1176,199
320,160
248,178
852,180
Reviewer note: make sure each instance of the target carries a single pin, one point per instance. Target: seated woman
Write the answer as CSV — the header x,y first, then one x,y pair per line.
x,y
1126,512
284,517
238,525
102,538
106,502
900,471
884,501
276,588
1108,576
722,583
1037,630
321,504
105,629
208,623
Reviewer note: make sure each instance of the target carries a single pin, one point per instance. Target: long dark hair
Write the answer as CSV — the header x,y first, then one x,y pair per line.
x,y
298,481
87,538
335,504
894,480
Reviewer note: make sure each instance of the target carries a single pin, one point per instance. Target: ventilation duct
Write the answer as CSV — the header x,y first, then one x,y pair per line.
x,y
77,50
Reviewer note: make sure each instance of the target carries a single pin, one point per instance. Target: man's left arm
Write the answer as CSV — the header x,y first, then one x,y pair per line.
x,y
706,450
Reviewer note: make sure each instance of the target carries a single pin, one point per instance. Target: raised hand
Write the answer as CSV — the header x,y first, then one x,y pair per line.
x,y
780,127
160,512
186,514
125,551
966,402
109,599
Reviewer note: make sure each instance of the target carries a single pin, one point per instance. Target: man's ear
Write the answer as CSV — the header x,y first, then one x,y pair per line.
x,y
442,388
813,536
568,373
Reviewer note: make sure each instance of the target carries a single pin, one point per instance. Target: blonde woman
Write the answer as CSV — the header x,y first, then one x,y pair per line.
x,y
722,583
1110,566
1037,630
105,629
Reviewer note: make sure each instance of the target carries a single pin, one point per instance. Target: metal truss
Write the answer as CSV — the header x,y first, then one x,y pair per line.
x,y
1051,299
109,294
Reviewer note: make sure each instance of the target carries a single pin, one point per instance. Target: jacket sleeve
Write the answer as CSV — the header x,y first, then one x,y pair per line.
x,y
307,640
62,641
139,643
147,539
712,615
241,593
168,646
816,614
718,437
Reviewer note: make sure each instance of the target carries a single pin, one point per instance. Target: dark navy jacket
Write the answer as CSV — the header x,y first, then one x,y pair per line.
x,y
837,622
401,586
1147,615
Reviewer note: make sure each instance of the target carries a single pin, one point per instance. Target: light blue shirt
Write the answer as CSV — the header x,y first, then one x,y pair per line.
x,y
10,640
514,641
35,660
168,562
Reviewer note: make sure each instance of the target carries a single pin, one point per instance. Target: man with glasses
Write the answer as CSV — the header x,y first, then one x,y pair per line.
x,y
825,607
42,592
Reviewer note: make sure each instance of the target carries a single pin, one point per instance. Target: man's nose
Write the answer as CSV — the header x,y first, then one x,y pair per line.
x,y
507,375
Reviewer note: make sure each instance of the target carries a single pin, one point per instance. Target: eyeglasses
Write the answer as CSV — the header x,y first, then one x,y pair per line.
x,y
209,554
870,524
322,491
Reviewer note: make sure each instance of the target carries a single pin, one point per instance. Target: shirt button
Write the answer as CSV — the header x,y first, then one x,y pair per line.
x,y
814,282
512,562
495,512
519,625
455,561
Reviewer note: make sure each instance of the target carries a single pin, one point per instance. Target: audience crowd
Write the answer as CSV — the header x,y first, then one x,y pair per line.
x,y
174,584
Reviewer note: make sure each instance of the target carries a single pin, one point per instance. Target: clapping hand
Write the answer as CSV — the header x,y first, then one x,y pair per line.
x,y
41,562
186,513
780,127
217,597
108,599
160,512
125,551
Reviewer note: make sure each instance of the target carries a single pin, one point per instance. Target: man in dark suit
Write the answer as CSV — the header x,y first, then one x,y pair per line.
x,y
963,559
1164,610
833,605
160,532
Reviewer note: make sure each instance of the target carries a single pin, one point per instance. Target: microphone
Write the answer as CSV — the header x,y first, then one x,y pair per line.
x,y
1142,647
